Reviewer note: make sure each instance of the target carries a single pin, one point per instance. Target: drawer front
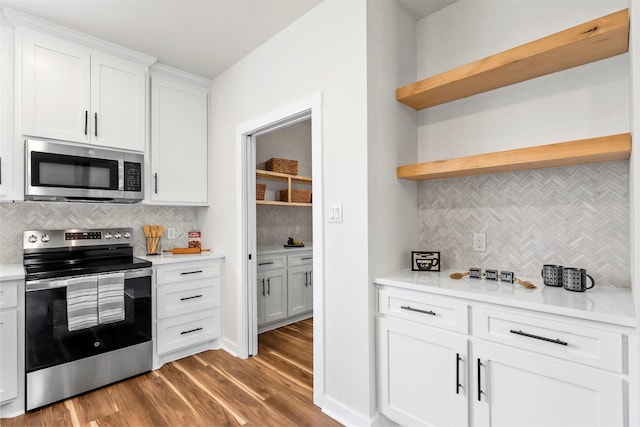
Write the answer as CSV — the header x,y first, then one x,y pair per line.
x,y
187,271
187,297
179,332
302,258
427,310
269,262
555,337
8,294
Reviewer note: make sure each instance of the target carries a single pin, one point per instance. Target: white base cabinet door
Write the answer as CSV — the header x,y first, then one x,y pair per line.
x,y
8,355
514,388
300,291
272,295
422,375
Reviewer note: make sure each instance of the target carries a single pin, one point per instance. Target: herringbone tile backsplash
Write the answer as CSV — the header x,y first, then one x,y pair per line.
x,y
574,216
275,224
15,218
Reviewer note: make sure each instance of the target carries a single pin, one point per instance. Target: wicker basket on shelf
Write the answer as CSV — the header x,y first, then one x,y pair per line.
x,y
297,196
282,165
260,189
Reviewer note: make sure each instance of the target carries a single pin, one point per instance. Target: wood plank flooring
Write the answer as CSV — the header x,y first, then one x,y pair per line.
x,y
212,388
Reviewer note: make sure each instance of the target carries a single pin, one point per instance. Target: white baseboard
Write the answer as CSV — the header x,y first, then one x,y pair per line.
x,y
345,415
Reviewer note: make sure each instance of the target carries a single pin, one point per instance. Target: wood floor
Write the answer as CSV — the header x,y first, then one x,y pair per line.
x,y
212,388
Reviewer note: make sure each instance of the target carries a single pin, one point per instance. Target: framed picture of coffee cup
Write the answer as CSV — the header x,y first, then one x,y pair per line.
x,y
425,261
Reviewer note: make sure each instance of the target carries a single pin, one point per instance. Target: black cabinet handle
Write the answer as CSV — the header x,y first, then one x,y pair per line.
x,y
408,308
155,183
310,276
190,331
458,385
263,294
479,381
538,337
265,263
191,272
188,298
268,286
306,279
86,121
307,258
95,116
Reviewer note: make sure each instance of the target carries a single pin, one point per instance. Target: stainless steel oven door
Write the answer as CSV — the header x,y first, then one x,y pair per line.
x,y
61,363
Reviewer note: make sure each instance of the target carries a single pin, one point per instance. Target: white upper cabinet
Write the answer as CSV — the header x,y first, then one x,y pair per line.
x,y
179,128
72,93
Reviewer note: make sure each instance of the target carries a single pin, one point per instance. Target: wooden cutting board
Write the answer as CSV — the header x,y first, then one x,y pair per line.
x,y
177,251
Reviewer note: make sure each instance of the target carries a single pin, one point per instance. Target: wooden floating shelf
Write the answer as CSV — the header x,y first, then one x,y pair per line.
x,y
593,150
599,39
278,176
277,203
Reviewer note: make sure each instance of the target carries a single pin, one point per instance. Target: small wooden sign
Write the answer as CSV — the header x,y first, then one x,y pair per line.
x,y
425,261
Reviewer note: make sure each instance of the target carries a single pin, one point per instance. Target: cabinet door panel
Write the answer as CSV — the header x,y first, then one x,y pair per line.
x,y
8,355
272,296
297,290
524,389
178,143
55,88
118,99
419,371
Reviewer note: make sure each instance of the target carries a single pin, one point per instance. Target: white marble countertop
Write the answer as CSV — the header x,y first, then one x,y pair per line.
x,y
276,249
601,303
169,258
11,272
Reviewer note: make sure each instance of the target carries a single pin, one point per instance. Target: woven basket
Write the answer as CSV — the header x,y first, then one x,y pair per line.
x,y
282,165
297,196
260,189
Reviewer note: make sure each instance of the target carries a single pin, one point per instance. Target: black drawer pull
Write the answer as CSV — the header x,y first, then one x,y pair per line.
x,y
307,258
190,331
265,263
191,272
406,307
538,337
186,298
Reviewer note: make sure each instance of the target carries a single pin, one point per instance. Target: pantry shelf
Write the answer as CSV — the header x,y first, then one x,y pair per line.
x,y
591,41
592,150
282,177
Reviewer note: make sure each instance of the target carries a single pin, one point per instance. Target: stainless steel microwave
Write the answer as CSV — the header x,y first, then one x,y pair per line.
x,y
57,171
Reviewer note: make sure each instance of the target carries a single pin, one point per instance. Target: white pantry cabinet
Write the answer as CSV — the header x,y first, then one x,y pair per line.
x,y
71,92
188,306
300,283
272,288
179,140
445,359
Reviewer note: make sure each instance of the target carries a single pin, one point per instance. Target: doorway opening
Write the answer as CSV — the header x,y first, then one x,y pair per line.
x,y
304,226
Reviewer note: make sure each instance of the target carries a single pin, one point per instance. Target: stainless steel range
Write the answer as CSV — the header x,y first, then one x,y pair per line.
x,y
88,312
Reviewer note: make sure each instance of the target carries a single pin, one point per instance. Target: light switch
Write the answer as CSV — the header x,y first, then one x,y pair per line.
x,y
335,212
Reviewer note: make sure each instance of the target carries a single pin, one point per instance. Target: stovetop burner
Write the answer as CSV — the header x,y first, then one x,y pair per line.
x,y
63,253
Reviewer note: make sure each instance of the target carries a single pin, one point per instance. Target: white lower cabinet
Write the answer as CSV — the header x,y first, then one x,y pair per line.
x,y
422,374
499,367
8,355
188,300
272,295
284,288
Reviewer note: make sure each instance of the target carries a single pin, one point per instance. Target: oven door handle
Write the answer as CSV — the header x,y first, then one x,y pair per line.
x,y
60,282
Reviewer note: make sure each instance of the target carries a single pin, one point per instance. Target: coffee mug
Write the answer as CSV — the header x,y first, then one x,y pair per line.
x,y
575,279
552,275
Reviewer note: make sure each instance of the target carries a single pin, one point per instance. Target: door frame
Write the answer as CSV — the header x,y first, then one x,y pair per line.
x,y
303,109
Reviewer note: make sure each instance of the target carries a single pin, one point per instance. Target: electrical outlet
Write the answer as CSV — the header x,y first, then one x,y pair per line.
x,y
479,242
171,233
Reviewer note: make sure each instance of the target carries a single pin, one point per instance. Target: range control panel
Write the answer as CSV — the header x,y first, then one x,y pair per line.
x,y
37,239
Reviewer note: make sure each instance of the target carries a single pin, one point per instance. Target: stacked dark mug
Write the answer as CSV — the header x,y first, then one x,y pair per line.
x,y
571,278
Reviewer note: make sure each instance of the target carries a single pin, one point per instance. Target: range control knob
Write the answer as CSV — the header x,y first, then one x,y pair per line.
x,y
117,235
45,238
107,235
126,235
33,238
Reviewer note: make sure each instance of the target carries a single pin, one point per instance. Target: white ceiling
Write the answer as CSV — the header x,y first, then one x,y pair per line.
x,y
204,37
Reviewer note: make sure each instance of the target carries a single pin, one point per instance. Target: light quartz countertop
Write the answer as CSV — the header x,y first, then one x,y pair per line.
x,y
277,249
11,272
168,258
601,303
